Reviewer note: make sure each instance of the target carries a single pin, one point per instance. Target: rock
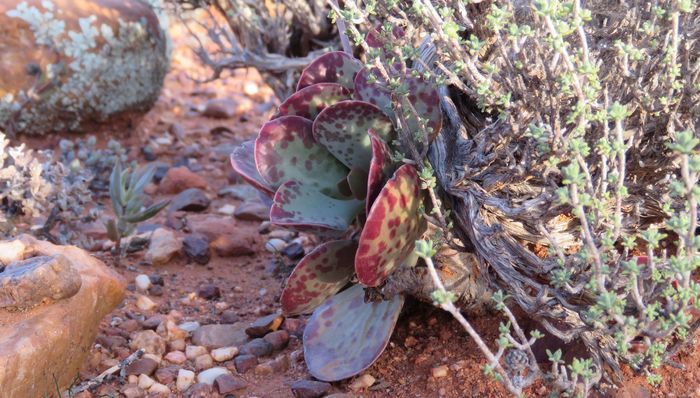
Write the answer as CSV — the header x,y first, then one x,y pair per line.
x,y
227,210
152,322
51,341
185,378
164,245
196,247
224,335
275,245
130,325
149,341
213,226
157,280
191,199
252,211
208,376
310,389
140,366
203,362
257,347
209,292
241,192
277,339
167,374
264,325
132,391
158,388
176,357
233,246
440,371
105,59
228,383
145,382
144,303
190,327
220,108
178,179
175,332
280,364
27,283
223,354
362,382
193,351
199,390
294,251
294,326
245,362
177,345
230,316
111,342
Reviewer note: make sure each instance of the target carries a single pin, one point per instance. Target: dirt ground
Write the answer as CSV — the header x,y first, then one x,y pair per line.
x,y
250,285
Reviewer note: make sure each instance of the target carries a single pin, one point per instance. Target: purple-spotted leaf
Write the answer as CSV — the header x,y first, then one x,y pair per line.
x,y
379,169
243,162
285,149
342,129
319,275
357,181
298,205
426,101
393,225
334,67
421,94
373,92
345,335
310,101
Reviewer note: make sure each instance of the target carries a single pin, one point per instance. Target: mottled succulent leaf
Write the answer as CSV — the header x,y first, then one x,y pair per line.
x,y
375,92
357,181
319,275
342,129
379,170
345,335
334,67
311,100
426,101
296,204
421,94
285,149
393,225
243,162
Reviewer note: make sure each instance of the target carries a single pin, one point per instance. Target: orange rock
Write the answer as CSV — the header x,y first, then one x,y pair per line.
x,y
88,59
178,179
49,344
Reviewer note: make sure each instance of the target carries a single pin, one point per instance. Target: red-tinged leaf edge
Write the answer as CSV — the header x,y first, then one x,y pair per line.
x,y
243,162
319,275
333,67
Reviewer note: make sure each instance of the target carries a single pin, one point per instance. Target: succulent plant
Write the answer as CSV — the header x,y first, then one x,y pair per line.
x,y
324,159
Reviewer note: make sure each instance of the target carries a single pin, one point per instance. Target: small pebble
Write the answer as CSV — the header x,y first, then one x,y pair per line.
x,y
193,351
176,357
144,303
223,354
185,378
275,245
158,388
362,382
143,282
145,382
203,362
440,371
189,327
208,376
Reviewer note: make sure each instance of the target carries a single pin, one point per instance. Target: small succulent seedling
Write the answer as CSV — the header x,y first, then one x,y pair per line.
x,y
126,193
325,161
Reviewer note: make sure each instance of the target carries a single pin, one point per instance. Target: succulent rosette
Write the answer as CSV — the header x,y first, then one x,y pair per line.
x,y
324,159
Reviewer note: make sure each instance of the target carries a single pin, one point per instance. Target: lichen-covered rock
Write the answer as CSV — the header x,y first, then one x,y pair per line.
x,y
41,350
69,64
